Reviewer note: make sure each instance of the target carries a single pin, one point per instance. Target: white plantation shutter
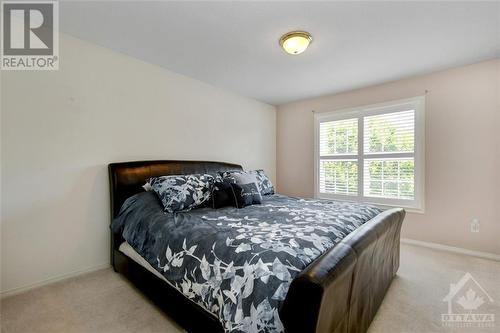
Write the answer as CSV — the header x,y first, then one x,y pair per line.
x,y
338,140
339,137
339,176
390,132
389,146
389,178
374,154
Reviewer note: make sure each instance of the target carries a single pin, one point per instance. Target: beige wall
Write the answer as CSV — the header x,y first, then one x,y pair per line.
x,y
462,151
60,129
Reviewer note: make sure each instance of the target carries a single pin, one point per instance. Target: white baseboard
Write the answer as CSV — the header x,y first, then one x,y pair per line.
x,y
436,246
18,290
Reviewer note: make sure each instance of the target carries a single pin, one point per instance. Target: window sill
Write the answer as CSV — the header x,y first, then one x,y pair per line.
x,y
412,210
408,209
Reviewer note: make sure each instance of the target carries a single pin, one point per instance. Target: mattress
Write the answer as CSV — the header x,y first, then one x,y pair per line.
x,y
129,251
126,249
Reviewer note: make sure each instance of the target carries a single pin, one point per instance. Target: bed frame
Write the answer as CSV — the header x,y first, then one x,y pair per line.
x,y
338,292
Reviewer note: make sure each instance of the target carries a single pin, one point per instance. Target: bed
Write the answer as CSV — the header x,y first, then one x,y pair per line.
x,y
335,287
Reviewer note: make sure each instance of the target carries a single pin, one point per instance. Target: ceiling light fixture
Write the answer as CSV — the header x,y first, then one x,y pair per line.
x,y
295,42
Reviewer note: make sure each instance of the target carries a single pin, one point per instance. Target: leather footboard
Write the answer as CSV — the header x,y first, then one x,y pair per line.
x,y
342,290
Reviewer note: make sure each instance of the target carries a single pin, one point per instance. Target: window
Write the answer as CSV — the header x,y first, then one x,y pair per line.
x,y
372,154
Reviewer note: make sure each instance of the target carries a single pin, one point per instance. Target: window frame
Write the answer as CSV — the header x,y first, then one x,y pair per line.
x,y
414,103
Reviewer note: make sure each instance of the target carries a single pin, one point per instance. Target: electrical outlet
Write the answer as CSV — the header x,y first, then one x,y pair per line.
x,y
474,225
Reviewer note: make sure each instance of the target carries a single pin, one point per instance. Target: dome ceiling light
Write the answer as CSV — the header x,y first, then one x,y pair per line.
x,y
295,42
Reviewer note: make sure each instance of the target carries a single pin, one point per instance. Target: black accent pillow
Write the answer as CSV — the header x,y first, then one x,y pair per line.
x,y
222,195
246,194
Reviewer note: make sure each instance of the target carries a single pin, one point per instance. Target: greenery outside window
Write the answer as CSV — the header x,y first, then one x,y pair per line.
x,y
372,154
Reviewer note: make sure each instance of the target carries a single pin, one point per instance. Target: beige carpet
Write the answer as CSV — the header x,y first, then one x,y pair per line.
x,y
104,302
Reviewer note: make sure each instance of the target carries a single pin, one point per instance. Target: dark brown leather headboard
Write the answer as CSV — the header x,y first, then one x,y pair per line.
x,y
127,178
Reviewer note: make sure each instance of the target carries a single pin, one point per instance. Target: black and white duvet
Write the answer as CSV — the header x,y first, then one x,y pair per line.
x,y
238,263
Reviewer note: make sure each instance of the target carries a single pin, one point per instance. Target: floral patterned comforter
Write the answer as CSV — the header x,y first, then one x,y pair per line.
x,y
238,263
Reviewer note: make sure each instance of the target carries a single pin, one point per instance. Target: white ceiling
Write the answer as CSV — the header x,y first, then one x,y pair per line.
x,y
234,45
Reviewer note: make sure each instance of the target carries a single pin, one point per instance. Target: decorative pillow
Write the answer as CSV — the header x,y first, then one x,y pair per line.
x,y
182,192
263,182
246,194
147,187
229,175
218,177
222,195
243,178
